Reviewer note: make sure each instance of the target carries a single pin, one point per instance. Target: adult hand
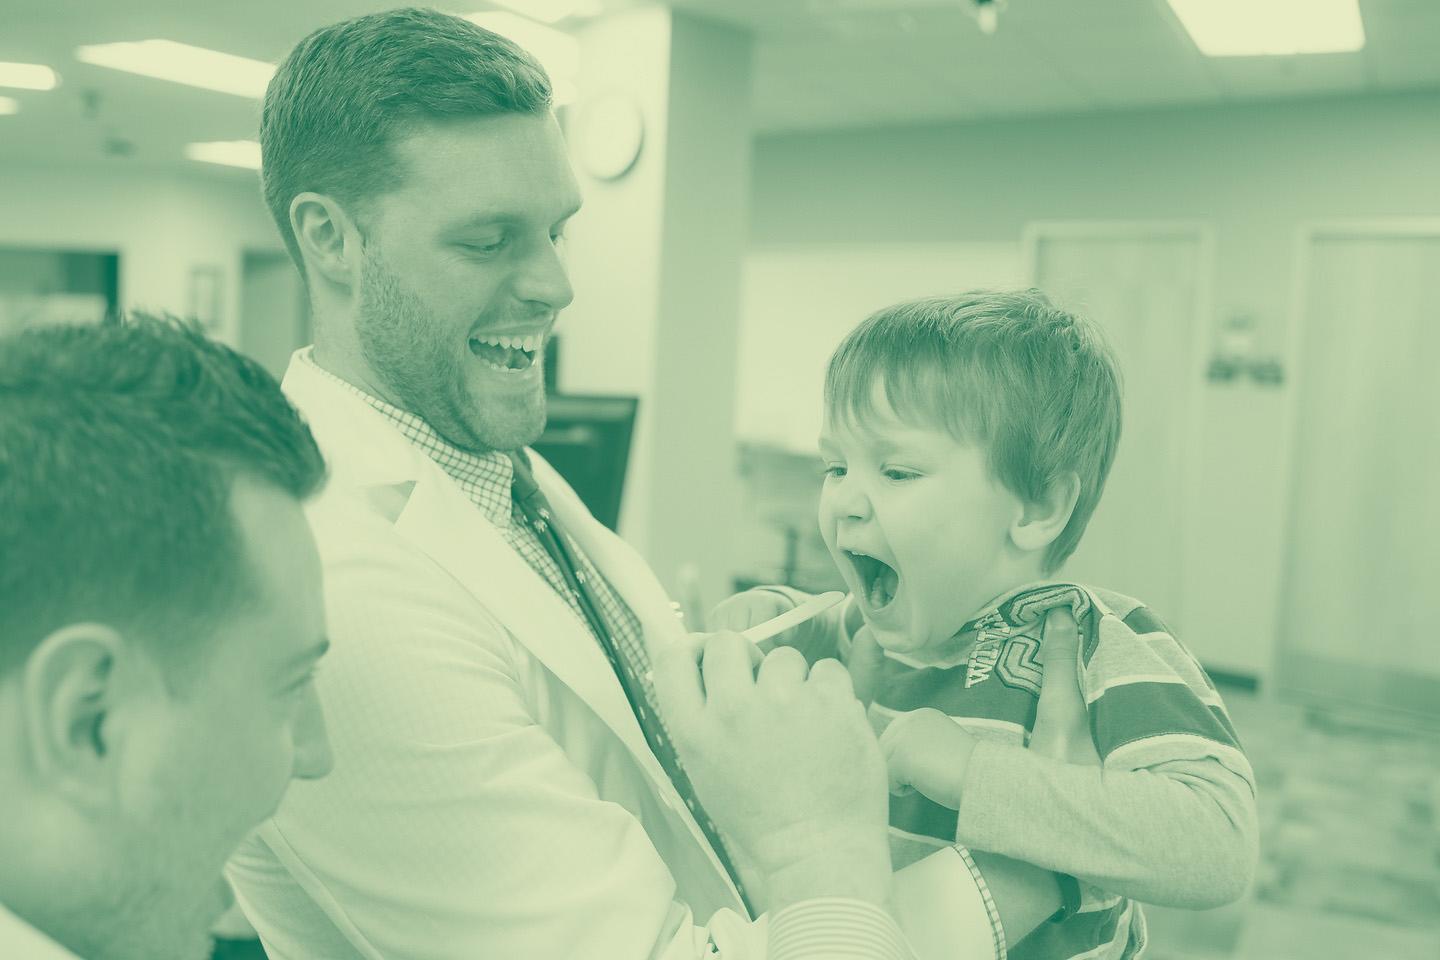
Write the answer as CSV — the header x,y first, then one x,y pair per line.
x,y
744,610
817,638
1062,725
785,763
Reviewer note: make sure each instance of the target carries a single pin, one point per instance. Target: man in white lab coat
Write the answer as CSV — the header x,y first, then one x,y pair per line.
x,y
503,786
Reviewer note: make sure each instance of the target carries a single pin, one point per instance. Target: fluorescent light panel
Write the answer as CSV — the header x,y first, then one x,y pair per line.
x,y
230,153
550,11
27,76
182,63
9,105
1256,28
557,51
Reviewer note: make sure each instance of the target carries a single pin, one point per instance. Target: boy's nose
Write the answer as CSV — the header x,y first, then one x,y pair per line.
x,y
851,503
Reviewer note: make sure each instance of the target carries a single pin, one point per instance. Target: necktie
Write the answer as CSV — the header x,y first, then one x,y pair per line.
x,y
629,661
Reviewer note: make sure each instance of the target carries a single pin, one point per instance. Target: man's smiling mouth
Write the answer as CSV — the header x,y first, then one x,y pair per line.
x,y
507,354
879,582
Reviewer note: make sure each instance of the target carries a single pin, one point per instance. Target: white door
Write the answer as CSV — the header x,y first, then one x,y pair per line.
x,y
1143,286
1362,570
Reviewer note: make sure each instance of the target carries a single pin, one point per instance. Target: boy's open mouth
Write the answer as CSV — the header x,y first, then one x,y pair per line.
x,y
510,354
878,580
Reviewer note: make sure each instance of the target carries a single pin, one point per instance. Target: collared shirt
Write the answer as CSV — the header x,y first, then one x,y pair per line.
x,y
20,941
485,478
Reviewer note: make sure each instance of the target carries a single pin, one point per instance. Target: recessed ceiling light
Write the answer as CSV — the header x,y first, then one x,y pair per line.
x,y
549,11
1257,28
182,63
9,105
230,153
27,76
557,51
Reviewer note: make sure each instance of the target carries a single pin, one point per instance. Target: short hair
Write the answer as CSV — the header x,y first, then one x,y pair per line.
x,y
119,445
347,92
1035,386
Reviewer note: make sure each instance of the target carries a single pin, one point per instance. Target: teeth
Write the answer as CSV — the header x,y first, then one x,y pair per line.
x,y
529,344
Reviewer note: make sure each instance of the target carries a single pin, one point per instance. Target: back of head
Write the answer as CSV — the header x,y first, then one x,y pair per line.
x,y
118,448
1033,385
349,91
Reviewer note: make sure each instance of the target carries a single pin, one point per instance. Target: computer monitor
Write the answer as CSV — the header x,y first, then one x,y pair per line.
x,y
587,439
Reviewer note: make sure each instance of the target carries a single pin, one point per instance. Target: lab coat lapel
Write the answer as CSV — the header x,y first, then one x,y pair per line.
x,y
633,579
440,520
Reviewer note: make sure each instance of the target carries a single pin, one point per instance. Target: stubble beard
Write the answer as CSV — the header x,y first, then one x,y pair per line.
x,y
419,365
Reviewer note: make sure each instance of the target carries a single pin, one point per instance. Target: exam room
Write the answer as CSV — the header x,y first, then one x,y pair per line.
x,y
1248,207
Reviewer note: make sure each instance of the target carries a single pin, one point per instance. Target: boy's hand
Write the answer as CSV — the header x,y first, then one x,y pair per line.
x,y
927,751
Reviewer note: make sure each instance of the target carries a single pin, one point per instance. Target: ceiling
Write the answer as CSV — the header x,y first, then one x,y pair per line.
x,y
818,64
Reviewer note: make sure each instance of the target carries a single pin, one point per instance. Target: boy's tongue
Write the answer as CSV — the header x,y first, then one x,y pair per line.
x,y
883,587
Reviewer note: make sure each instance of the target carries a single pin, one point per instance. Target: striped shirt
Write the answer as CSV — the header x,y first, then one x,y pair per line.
x,y
1150,707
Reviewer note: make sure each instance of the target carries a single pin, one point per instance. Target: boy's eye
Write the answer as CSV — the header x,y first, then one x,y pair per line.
x,y
834,470
894,474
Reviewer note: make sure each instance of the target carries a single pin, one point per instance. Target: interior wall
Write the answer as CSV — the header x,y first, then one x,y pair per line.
x,y
162,223
1255,172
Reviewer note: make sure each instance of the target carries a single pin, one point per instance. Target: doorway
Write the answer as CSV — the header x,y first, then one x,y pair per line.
x,y
1362,554
1145,285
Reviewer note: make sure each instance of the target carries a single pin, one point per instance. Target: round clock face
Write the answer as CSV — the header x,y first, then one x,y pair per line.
x,y
609,132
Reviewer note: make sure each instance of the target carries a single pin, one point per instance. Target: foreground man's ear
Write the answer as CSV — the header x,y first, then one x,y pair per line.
x,y
67,695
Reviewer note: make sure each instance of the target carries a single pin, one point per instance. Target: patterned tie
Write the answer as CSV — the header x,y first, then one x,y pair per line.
x,y
630,661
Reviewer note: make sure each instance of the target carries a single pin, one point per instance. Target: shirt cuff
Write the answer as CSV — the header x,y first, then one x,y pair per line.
x,y
997,930
835,927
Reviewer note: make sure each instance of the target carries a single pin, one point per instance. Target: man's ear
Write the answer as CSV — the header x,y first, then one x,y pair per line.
x,y
68,692
328,237
1038,523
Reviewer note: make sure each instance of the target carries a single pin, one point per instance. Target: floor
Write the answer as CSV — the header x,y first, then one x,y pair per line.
x,y
1350,844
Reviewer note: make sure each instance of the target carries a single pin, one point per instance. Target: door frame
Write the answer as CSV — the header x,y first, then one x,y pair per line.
x,y
1306,234
1192,448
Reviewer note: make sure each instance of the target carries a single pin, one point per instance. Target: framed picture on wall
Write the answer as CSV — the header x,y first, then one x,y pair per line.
x,y
204,299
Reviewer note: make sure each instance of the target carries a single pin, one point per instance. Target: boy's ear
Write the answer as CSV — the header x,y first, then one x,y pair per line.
x,y
1041,521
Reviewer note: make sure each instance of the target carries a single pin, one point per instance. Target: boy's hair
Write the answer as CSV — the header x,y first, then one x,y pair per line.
x,y
119,445
349,91
1035,386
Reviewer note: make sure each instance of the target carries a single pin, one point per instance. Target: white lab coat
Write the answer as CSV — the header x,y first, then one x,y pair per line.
x,y
493,794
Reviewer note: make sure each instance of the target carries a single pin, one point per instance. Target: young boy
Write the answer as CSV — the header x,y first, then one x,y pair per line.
x,y
966,444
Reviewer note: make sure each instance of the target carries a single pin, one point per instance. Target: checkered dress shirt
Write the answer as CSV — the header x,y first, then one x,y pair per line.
x,y
485,479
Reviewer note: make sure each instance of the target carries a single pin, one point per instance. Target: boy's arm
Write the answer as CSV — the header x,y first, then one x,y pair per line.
x,y
1169,818
1180,834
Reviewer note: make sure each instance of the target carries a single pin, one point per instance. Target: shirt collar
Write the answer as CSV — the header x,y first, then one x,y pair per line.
x,y
19,939
485,478
1008,611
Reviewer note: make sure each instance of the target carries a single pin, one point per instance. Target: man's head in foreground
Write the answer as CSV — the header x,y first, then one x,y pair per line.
x,y
160,617
421,183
